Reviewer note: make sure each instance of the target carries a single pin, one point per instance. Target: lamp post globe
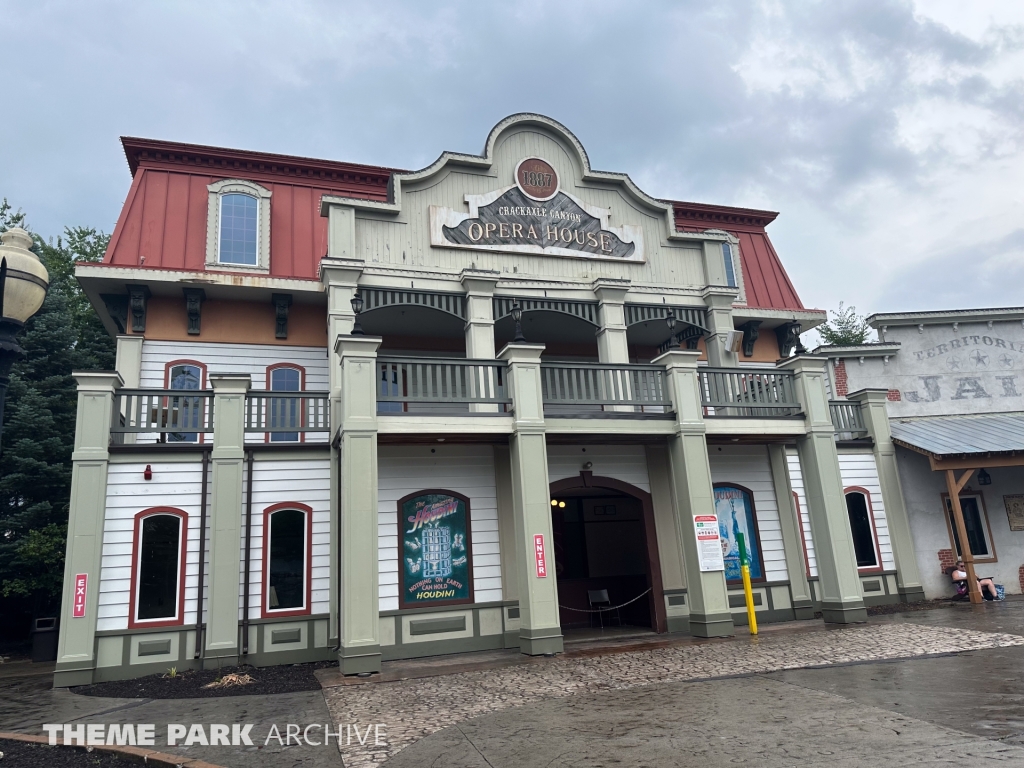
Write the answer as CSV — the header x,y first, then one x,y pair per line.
x,y
23,284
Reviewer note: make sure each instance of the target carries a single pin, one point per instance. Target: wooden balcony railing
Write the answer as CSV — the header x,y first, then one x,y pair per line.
x,y
571,387
439,384
168,415
284,415
847,419
748,393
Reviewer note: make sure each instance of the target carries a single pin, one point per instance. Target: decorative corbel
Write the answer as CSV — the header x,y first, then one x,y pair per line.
x,y
281,303
750,334
117,308
788,335
194,298
138,296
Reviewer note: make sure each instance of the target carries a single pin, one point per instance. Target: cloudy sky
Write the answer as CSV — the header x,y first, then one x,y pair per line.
x,y
888,133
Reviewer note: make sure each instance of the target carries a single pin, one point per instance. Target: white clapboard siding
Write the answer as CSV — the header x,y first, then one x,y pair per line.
x,y
748,466
304,481
626,463
796,480
252,359
174,484
859,470
465,469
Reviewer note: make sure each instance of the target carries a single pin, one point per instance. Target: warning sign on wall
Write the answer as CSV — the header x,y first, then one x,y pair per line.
x,y
709,543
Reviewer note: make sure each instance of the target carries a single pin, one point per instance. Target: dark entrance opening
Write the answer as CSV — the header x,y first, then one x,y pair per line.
x,y
604,540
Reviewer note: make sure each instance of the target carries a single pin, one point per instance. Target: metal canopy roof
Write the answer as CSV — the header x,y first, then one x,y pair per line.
x,y
961,435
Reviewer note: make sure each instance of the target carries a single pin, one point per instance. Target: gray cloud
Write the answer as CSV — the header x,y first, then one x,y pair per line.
x,y
838,113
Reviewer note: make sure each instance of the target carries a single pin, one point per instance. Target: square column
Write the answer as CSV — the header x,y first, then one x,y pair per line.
x,y
479,285
792,541
539,629
76,658
612,346
226,503
358,587
876,419
340,279
693,494
842,600
719,300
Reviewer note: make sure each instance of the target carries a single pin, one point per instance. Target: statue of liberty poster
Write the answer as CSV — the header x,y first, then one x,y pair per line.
x,y
735,510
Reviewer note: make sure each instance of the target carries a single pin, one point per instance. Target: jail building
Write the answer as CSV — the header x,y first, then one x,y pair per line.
x,y
505,401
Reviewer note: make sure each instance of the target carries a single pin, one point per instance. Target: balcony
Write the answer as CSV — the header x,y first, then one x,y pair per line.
x,y
748,393
438,386
847,419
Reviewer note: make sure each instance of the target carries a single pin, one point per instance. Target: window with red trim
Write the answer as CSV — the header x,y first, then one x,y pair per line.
x,y
158,567
287,531
186,411
862,526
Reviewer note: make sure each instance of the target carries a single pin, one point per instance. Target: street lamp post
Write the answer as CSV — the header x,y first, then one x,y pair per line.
x,y
23,284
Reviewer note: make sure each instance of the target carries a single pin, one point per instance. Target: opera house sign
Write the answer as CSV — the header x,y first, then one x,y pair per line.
x,y
535,216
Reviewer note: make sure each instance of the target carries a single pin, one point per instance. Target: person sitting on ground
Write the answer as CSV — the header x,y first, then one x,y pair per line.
x,y
987,585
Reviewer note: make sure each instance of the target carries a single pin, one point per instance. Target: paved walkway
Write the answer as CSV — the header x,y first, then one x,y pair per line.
x,y
415,709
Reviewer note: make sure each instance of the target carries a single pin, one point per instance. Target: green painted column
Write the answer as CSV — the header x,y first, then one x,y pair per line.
x,y
479,286
539,629
792,541
340,280
612,345
842,601
876,419
693,494
226,504
358,585
719,299
76,651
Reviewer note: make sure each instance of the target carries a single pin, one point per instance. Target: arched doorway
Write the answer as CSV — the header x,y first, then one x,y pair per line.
x,y
604,538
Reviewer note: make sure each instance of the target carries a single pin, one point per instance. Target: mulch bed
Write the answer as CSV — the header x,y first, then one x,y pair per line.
x,y
189,684
18,754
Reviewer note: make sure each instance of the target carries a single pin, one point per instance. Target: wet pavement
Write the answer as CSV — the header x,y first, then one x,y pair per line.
x,y
937,687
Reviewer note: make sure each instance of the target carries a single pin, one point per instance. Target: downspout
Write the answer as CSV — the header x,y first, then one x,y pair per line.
x,y
337,444
202,556
248,546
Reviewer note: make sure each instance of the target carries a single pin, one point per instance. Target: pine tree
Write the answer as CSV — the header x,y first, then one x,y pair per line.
x,y
845,329
35,458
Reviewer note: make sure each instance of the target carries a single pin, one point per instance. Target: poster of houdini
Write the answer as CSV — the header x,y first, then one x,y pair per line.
x,y
435,550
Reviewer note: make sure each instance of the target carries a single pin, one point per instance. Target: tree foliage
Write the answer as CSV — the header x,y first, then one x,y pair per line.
x,y
35,457
845,328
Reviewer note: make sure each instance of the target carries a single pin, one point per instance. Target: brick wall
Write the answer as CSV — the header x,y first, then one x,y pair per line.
x,y
894,395
948,560
842,383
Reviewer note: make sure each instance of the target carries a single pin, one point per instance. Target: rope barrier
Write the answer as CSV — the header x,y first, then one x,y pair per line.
x,y
609,608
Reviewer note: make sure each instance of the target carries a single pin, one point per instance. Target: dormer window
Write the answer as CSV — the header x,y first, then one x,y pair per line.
x,y
238,229
730,269
238,226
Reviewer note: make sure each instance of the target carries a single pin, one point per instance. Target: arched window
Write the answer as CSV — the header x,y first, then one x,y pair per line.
x,y
286,579
239,229
858,507
158,567
187,412
285,412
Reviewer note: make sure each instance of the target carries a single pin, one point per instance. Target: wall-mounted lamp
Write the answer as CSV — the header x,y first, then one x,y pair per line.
x,y
588,465
670,320
517,315
357,307
984,478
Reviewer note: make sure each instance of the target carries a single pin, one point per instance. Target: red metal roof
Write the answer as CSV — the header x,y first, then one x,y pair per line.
x,y
163,222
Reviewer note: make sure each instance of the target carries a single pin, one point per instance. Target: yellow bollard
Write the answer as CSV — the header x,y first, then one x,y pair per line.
x,y
748,593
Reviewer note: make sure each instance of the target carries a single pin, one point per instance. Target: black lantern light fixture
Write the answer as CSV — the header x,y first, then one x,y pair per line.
x,y
23,285
673,340
984,478
517,315
357,307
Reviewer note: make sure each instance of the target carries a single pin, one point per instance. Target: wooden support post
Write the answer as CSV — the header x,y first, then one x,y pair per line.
x,y
954,487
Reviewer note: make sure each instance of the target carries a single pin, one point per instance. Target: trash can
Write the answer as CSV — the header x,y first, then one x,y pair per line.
x,y
44,639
